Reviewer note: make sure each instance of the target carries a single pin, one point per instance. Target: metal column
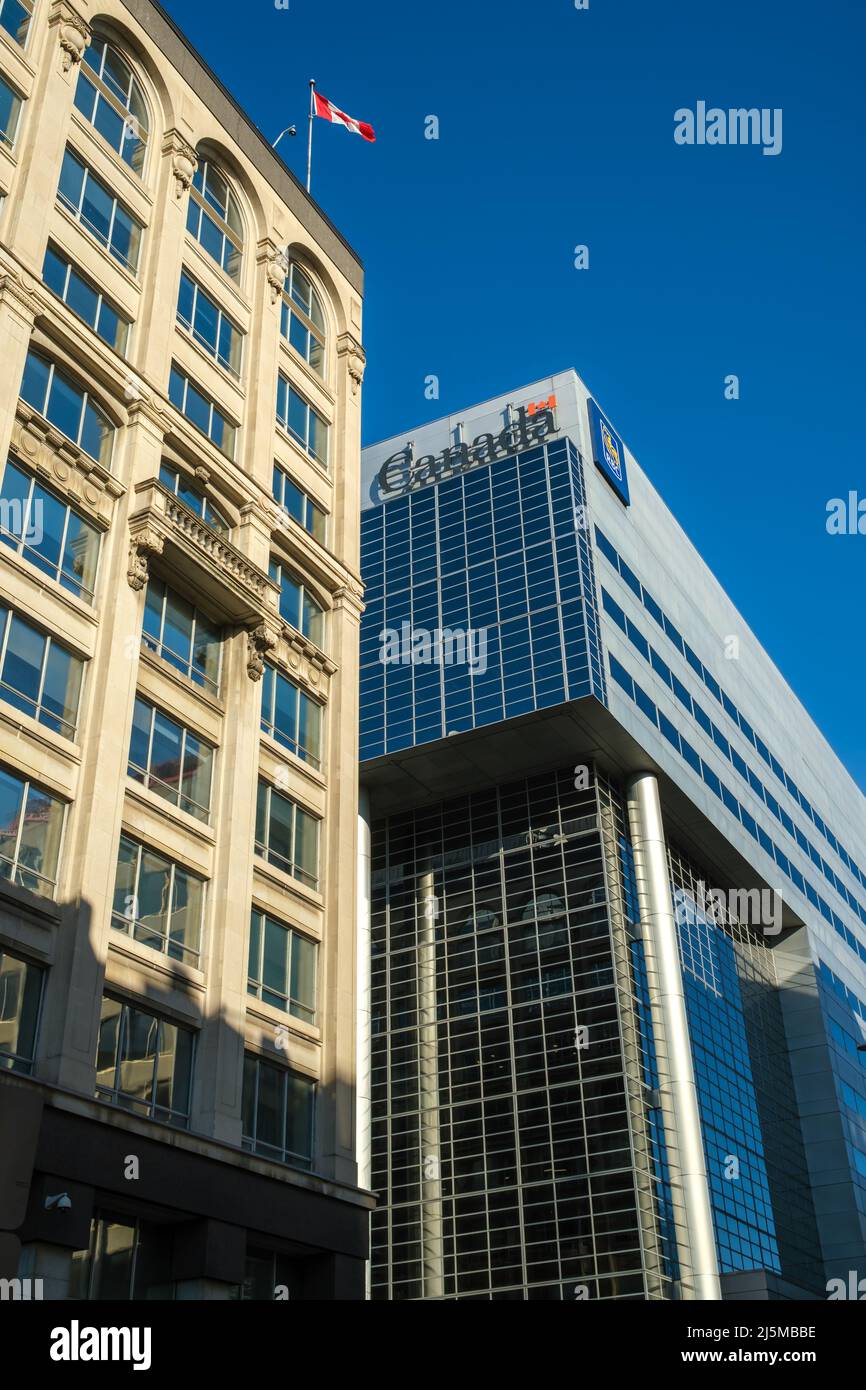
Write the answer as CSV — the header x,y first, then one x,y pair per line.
x,y
693,1220
428,1057
363,1093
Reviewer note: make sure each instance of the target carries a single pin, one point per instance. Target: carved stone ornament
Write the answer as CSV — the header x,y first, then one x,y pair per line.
x,y
277,266
74,36
356,365
356,360
144,544
184,161
260,642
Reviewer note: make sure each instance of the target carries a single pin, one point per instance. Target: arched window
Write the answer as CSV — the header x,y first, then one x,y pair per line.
x,y
303,319
193,498
214,218
50,391
297,605
109,97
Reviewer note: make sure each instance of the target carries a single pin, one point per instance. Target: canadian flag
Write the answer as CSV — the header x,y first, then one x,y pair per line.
x,y
329,112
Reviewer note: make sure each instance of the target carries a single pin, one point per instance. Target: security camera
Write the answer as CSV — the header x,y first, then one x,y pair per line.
x,y
61,1201
293,130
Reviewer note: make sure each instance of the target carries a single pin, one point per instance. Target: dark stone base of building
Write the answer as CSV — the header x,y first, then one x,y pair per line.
x,y
98,1205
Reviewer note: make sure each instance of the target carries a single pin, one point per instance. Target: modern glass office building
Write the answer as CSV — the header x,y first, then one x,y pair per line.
x,y
615,926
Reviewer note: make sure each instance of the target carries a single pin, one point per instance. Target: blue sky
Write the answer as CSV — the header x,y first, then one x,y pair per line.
x,y
556,129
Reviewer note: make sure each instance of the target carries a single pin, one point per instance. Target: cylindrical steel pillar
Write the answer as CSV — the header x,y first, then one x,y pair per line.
x,y
428,1060
363,1092
693,1219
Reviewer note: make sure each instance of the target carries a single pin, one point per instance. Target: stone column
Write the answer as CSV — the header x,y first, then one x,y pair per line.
x,y
337,1138
19,305
40,150
86,888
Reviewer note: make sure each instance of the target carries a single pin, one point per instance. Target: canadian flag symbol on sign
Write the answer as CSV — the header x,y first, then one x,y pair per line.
x,y
329,112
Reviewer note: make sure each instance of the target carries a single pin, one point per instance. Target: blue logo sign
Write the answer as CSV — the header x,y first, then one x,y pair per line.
x,y
607,452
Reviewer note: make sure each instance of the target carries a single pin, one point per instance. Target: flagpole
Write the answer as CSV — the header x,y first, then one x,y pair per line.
x,y
310,136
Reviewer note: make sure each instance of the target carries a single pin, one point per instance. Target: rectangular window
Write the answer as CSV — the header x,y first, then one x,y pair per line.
x,y
291,717
96,208
279,1113
282,967
39,526
10,109
20,996
38,675
31,826
200,410
61,276
15,18
212,329
176,631
158,902
144,1063
170,760
303,423
287,836
127,1258
68,407
298,504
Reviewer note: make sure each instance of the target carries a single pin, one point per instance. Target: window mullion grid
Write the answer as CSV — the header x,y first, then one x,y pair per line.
x,y
48,388
42,674
66,515
290,971
25,796
183,737
26,513
139,851
268,823
136,1235
111,225
192,635
122,1029
4,642
147,767
172,887
162,618
255,1134
285,1080
157,1052
260,963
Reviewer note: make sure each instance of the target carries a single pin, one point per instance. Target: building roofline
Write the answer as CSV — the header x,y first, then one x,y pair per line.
x,y
168,37
475,406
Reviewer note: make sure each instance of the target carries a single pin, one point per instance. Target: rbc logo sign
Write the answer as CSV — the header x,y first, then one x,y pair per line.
x,y
607,452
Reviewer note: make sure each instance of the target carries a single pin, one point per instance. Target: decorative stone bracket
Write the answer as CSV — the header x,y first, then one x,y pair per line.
x,y
184,161
144,544
73,33
356,359
276,262
261,641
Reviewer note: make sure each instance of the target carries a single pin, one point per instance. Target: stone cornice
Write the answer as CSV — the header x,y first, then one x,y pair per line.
x,y
71,471
21,290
